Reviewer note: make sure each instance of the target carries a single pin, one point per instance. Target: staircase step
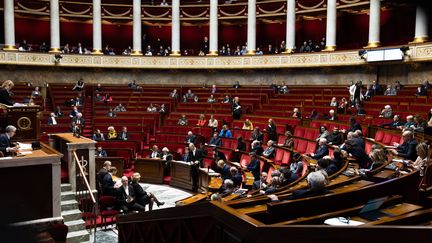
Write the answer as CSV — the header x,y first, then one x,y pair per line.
x,y
70,215
69,195
69,205
77,236
66,187
75,225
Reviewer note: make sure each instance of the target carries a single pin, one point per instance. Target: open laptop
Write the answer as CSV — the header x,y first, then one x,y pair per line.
x,y
370,210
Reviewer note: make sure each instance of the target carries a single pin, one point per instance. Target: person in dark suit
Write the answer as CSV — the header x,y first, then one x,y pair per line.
x,y
142,197
195,154
257,135
102,172
223,169
155,153
101,152
190,138
217,155
354,125
237,85
167,157
257,148
254,166
358,153
377,89
236,109
275,181
260,184
125,196
215,140
6,147
271,130
124,135
395,123
52,119
108,183
336,137
185,156
269,152
236,176
407,149
241,145
316,183
79,86
322,149
5,92
79,120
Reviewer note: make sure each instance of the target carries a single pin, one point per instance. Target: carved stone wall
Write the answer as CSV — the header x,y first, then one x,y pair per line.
x,y
406,73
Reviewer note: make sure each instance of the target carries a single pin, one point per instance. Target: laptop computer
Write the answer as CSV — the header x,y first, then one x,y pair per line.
x,y
370,210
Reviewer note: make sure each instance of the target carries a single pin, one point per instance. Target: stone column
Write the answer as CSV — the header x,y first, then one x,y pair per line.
x,y
9,25
251,27
97,27
374,23
421,25
55,26
175,28
92,166
290,26
331,26
213,28
137,28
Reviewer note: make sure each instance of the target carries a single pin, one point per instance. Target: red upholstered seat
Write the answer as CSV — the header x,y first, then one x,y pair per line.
x,y
279,155
302,146
286,157
387,139
107,204
379,136
311,147
244,159
299,132
395,139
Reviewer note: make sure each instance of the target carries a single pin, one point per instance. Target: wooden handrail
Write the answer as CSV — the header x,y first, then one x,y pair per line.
x,y
85,178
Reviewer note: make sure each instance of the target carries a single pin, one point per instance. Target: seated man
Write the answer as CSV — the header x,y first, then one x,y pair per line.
x,y
257,148
211,99
183,121
257,135
190,95
358,153
6,147
195,154
52,119
79,86
155,153
274,184
36,92
190,138
217,155
316,183
215,140
332,115
254,166
335,138
406,150
126,197
166,155
98,97
236,176
224,170
142,197
269,152
98,135
111,113
387,112
101,152
395,123
260,184
151,108
322,149
124,135
285,177
228,188
327,165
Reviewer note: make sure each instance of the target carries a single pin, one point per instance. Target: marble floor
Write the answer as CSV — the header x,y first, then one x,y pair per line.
x,y
164,193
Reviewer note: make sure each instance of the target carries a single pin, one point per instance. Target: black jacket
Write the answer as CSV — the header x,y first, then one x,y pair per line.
x,y
5,97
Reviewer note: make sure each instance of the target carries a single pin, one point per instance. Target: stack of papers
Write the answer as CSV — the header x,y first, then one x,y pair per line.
x,y
341,221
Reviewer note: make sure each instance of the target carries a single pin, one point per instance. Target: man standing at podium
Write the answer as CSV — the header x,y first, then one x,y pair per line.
x,y
5,92
6,147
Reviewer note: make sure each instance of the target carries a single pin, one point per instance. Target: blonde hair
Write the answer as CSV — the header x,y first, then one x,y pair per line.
x,y
422,148
8,84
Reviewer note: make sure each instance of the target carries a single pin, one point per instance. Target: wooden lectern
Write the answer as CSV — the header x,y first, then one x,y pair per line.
x,y
25,118
66,143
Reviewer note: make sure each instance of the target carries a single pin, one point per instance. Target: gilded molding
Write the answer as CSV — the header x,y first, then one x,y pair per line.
x,y
418,52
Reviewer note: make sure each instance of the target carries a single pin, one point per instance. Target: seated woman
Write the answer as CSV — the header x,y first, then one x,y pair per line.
x,y
107,98
378,158
390,90
79,86
247,125
120,108
323,133
142,197
342,106
112,134
98,136
213,123
183,121
201,121
422,157
289,140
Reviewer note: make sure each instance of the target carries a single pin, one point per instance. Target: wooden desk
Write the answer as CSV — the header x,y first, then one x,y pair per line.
x,y
181,175
208,182
34,194
151,170
25,118
66,143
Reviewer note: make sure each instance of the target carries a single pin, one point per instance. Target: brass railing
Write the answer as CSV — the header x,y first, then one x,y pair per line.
x,y
85,197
